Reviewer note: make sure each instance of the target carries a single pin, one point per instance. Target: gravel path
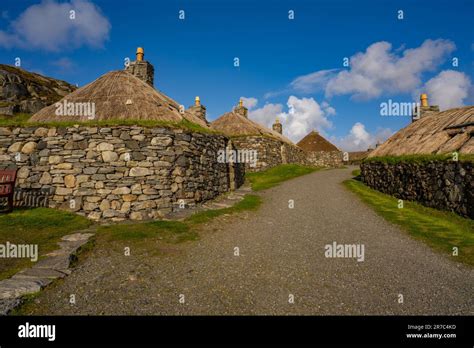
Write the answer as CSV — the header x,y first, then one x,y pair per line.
x,y
281,254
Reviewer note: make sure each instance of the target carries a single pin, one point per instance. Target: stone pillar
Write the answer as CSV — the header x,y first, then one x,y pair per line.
x,y
141,68
241,109
198,110
424,109
277,127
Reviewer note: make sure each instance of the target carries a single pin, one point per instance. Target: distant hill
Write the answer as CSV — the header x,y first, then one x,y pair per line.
x,y
22,91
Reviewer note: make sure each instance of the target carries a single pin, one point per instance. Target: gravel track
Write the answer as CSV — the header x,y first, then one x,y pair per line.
x,y
281,253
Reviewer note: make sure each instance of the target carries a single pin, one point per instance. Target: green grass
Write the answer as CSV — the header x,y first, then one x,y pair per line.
x,y
356,172
418,158
440,230
273,176
22,120
172,231
16,119
41,226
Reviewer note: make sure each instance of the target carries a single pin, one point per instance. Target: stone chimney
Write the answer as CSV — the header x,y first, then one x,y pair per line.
x,y
141,68
241,109
424,109
198,109
277,127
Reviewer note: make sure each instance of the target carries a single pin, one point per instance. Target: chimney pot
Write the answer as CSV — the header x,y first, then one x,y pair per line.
x,y
140,54
424,99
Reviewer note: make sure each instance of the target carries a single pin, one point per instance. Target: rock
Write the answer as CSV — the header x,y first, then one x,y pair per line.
x,y
5,131
121,191
129,198
41,132
55,159
104,205
15,147
29,147
46,179
30,92
90,170
136,215
23,173
88,206
63,166
109,213
161,141
70,181
81,178
105,147
95,215
139,171
62,191
109,156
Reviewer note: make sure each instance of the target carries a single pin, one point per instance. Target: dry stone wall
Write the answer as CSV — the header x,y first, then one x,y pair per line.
x,y
325,158
270,152
118,173
443,185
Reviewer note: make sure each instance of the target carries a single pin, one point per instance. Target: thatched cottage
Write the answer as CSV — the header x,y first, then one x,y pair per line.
x,y
433,133
446,184
319,151
270,147
142,155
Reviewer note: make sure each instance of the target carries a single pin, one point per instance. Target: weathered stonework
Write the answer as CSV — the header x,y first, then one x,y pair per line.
x,y
270,152
143,70
443,185
118,173
325,158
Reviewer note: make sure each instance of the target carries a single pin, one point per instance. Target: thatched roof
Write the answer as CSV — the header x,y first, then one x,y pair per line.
x,y
234,124
358,155
439,133
315,142
118,95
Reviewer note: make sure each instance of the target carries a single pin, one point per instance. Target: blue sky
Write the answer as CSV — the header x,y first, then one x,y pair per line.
x,y
282,61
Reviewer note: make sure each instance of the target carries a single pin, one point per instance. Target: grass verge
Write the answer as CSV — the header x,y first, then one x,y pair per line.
x,y
41,226
273,176
22,120
440,230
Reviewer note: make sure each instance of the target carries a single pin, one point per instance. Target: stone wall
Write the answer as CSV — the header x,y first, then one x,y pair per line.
x,y
325,158
122,172
443,185
270,152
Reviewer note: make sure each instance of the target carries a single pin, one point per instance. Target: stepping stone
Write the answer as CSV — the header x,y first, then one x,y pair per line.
x,y
77,237
11,288
41,273
41,281
58,262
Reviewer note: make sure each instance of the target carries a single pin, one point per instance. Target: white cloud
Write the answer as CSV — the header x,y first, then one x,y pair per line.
x,y
359,139
267,114
312,82
250,102
448,89
377,71
48,26
303,115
